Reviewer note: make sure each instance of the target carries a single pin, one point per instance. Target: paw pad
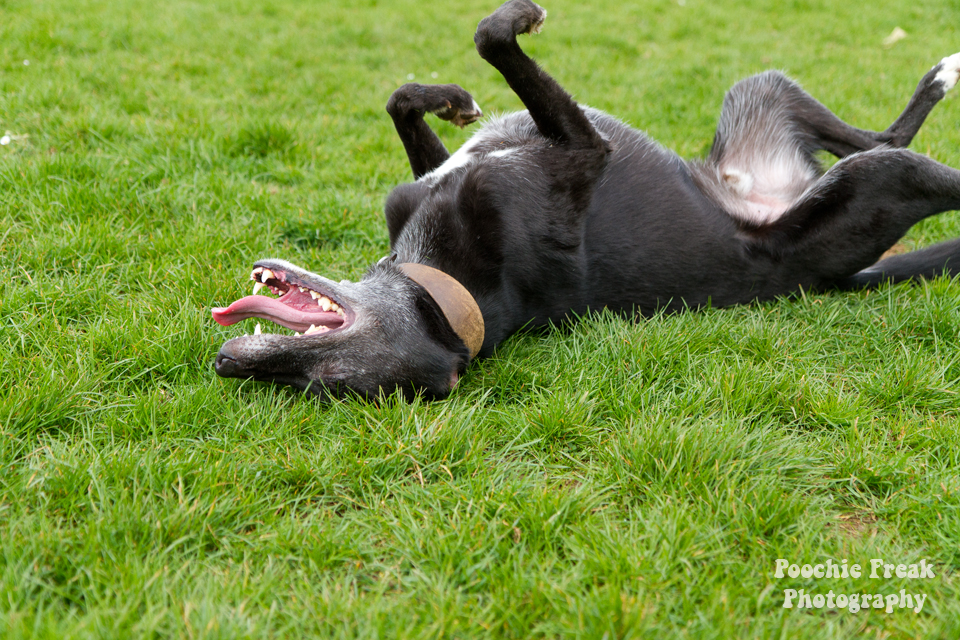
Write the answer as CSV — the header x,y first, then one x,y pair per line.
x,y
538,23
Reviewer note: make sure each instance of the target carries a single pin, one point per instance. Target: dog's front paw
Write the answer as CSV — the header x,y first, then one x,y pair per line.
x,y
527,16
446,101
949,71
451,103
510,20
458,115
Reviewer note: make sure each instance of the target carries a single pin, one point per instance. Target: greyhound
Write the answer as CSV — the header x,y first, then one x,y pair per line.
x,y
549,213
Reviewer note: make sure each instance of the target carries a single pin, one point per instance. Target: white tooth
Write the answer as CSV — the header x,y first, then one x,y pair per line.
x,y
302,289
296,333
254,274
257,287
257,330
314,294
324,303
341,313
334,306
266,275
314,329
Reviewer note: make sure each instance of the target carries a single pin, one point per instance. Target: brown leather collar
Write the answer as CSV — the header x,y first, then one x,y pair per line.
x,y
454,300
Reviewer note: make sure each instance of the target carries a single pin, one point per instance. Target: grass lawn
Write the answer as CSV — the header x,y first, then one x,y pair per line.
x,y
614,479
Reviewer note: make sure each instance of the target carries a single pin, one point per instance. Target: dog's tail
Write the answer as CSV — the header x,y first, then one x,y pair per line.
x,y
931,262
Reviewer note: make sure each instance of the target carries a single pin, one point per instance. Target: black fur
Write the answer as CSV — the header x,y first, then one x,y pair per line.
x,y
562,209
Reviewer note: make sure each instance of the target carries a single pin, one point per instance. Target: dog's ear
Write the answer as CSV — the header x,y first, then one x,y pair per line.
x,y
439,328
401,203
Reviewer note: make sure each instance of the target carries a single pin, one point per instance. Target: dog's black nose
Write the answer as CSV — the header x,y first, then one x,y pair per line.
x,y
226,364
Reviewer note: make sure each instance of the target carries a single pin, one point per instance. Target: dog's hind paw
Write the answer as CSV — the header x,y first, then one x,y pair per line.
x,y
949,71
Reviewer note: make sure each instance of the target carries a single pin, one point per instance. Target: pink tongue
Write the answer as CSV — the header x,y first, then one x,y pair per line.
x,y
275,311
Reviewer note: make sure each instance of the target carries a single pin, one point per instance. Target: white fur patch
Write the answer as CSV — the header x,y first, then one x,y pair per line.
x,y
763,188
460,158
463,157
949,72
739,181
501,153
512,129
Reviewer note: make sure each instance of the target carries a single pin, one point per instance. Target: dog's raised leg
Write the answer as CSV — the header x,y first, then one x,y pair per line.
x,y
555,113
764,114
407,106
841,139
855,212
931,90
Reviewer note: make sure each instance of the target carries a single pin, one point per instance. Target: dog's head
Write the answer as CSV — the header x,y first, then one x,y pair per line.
x,y
384,333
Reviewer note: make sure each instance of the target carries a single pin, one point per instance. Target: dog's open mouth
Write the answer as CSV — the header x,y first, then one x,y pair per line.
x,y
300,307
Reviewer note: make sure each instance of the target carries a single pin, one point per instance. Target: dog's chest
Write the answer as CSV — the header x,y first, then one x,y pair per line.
x,y
503,142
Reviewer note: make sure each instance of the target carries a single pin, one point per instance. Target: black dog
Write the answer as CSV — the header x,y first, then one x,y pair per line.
x,y
561,209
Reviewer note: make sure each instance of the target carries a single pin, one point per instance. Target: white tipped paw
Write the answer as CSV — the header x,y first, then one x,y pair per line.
x,y
949,72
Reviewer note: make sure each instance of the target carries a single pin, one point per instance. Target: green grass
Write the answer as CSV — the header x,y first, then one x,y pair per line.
x,y
614,479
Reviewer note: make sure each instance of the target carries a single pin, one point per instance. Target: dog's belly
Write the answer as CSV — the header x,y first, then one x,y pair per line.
x,y
653,240
650,238
758,190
